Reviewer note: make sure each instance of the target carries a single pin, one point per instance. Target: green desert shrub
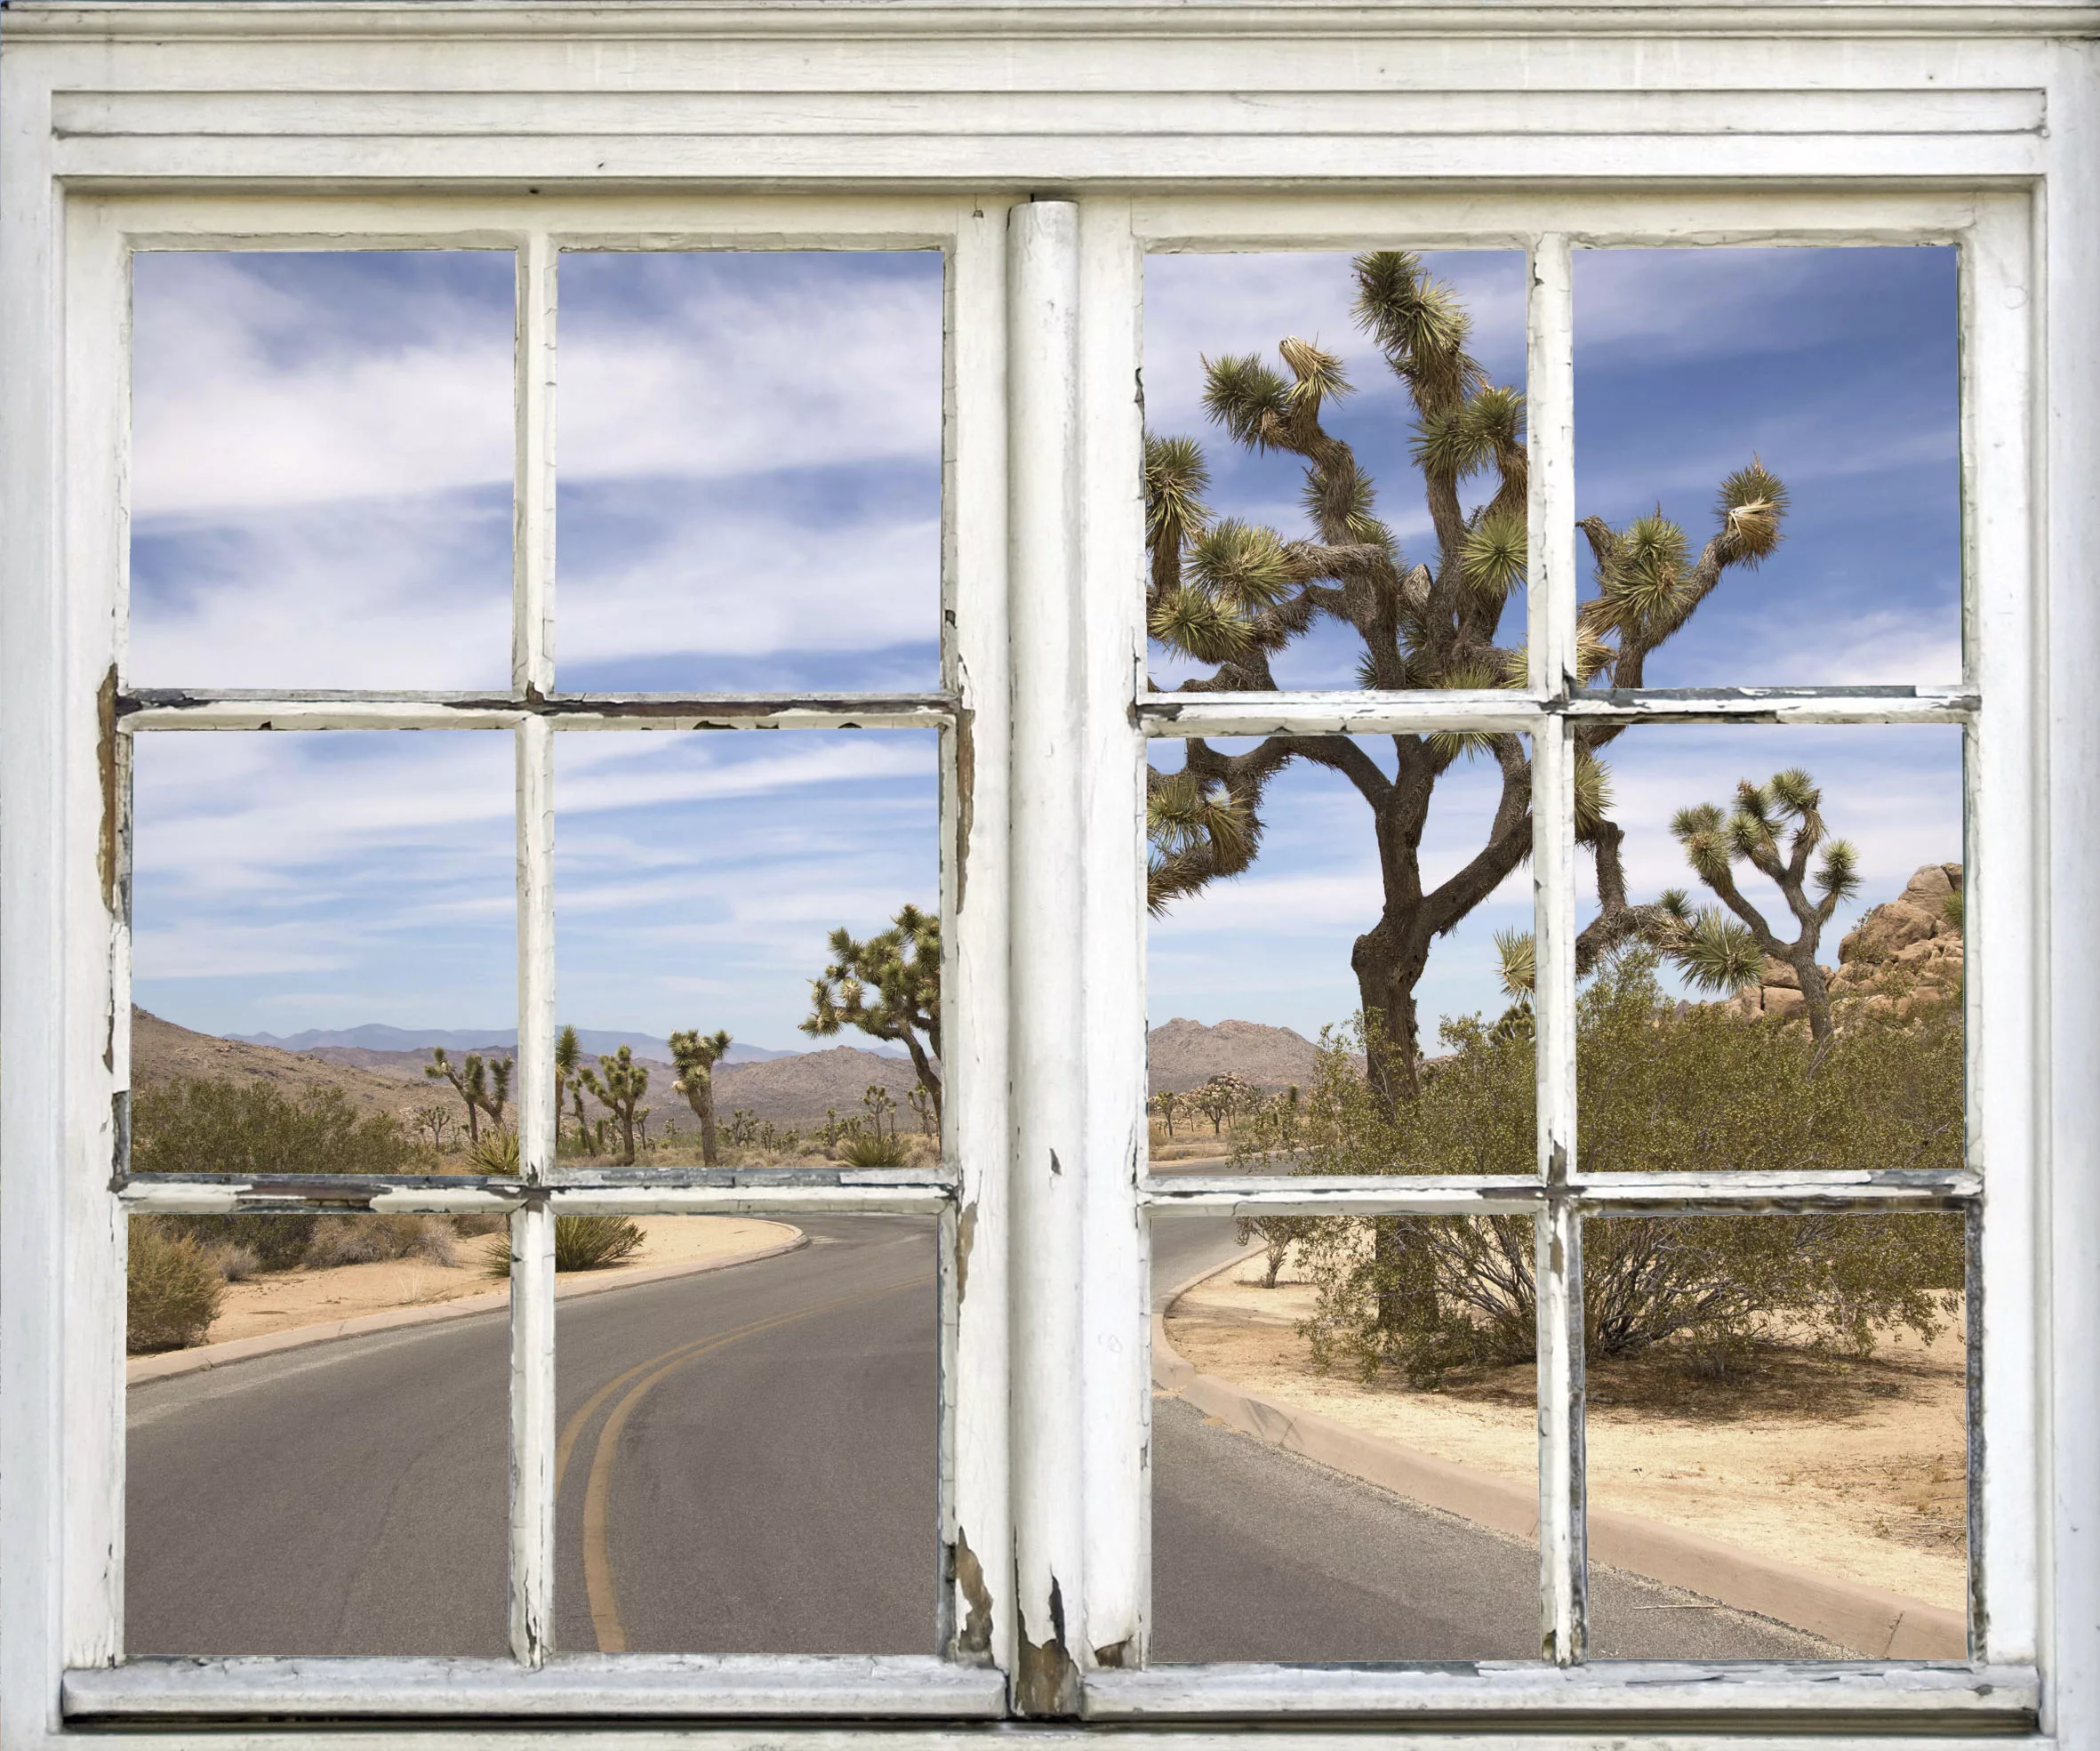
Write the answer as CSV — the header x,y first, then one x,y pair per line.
x,y
172,1293
580,1243
212,1125
1662,1088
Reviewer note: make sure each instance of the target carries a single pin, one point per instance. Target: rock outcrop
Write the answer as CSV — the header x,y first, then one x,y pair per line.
x,y
1909,951
1903,953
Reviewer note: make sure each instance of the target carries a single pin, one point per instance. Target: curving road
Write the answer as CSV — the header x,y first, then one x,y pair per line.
x,y
747,1465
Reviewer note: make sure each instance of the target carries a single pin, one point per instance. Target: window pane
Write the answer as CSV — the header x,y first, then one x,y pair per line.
x,y
700,881
1384,878
321,470
1779,1424
748,1461
1371,406
1402,1526
1815,391
1781,989
345,1496
312,913
750,471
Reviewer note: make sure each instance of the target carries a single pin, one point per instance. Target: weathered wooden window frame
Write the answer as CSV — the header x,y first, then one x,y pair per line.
x,y
246,127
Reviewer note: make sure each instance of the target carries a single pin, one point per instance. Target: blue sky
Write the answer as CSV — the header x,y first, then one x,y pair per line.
x,y
749,460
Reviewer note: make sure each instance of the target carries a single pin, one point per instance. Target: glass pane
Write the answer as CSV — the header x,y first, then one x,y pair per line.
x,y
1806,882
1370,406
1400,1527
1778,1427
312,913
321,470
750,471
1385,877
748,1460
329,1493
701,883
1730,399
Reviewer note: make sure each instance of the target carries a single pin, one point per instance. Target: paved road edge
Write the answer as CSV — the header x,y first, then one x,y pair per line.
x,y
1869,1620
172,1363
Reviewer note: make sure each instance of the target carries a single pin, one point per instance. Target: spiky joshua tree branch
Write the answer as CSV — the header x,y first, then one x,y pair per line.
x,y
1230,596
888,987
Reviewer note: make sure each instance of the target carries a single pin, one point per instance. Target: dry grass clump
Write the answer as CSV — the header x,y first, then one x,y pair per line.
x,y
174,1291
580,1243
366,1239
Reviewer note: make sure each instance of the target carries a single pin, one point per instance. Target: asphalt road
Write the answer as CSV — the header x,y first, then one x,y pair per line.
x,y
749,1466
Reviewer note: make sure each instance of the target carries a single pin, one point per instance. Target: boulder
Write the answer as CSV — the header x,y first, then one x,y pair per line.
x,y
1919,914
1785,1002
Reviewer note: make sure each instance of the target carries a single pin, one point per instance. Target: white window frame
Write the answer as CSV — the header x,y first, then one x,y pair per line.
x,y
701,123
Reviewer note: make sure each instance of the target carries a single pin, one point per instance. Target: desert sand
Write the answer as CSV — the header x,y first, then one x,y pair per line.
x,y
1854,1470
284,1300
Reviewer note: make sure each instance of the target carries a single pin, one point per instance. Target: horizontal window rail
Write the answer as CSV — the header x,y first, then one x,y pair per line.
x,y
645,1192
1657,1695
170,708
568,1687
1605,1195
1509,711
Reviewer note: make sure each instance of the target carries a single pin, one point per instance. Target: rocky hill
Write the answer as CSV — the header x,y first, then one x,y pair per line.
x,y
163,1052
796,1090
1182,1054
793,1089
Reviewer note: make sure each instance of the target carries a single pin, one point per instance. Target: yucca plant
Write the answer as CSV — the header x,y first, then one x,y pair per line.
x,y
580,1243
1230,596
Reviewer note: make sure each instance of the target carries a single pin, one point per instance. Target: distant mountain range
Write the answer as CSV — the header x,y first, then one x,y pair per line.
x,y
785,1088
378,1037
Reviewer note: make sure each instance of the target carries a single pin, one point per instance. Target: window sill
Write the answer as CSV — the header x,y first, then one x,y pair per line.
x,y
572,1687
1652,1694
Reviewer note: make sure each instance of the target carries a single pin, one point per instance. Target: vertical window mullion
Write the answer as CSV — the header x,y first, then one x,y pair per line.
x,y
1552,610
1047,1003
531,1228
2004,781
977,1612
1111,754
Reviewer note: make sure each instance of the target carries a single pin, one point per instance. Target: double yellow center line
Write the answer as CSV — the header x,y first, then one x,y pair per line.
x,y
638,1381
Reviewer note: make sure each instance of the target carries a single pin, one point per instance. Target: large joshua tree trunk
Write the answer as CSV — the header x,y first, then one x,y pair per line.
x,y
1228,595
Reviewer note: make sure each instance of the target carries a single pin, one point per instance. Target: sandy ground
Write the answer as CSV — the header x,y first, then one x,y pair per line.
x,y
284,1300
1854,1470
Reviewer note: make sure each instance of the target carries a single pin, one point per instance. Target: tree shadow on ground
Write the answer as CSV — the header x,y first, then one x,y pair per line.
x,y
1761,1380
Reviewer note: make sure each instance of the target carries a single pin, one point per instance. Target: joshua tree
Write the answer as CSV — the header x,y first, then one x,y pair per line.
x,y
888,986
568,1053
469,1081
922,1103
435,1120
880,1106
499,1091
696,1055
1222,1097
618,1084
1166,1103
1230,595
1722,955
